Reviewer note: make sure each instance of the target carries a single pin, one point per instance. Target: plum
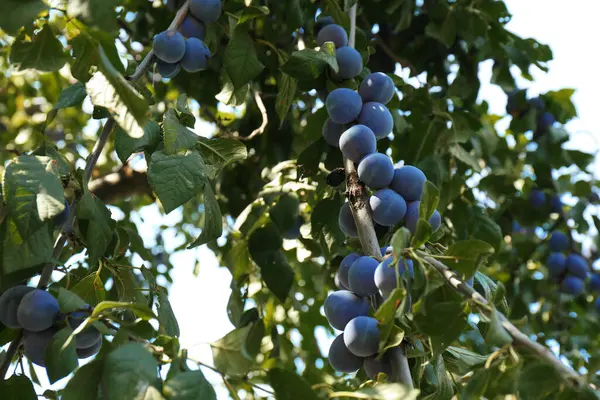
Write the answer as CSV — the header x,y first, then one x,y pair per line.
x,y
388,207
572,285
332,132
361,336
9,303
343,105
377,87
196,55
346,221
345,268
191,27
341,359
376,170
537,198
35,344
206,10
385,275
378,118
557,264
558,242
595,283
342,306
89,336
37,311
361,276
321,23
408,182
349,61
577,266
357,142
333,33
412,217
89,351
435,221
62,218
169,46
374,367
167,70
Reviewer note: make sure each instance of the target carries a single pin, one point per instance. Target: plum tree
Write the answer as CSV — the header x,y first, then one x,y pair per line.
x,y
333,33
87,352
577,266
9,303
196,55
341,359
377,87
361,336
361,276
408,182
388,207
558,242
376,365
343,105
332,132
378,118
385,275
376,170
346,221
206,10
167,70
35,343
169,46
572,285
192,28
357,142
37,311
89,337
537,198
345,268
342,306
557,264
349,61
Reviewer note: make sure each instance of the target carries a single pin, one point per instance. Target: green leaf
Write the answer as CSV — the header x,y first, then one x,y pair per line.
x,y
240,58
63,165
220,152
382,391
108,88
140,310
189,385
286,93
251,346
71,96
468,255
60,358
465,157
264,246
33,192
252,12
422,233
462,361
478,384
429,200
69,301
43,51
538,381
308,64
126,145
446,32
90,289
19,13
176,136
227,353
238,260
85,55
166,316
385,315
400,241
84,382
332,7
497,335
17,387
95,224
129,372
324,221
213,220
176,178
100,13
290,386
443,385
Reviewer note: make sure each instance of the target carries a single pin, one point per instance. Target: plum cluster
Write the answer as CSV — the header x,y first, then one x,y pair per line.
x,y
569,271
538,199
184,48
518,106
349,60
37,313
347,310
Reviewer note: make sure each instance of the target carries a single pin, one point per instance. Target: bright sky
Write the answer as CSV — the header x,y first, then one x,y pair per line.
x,y
571,31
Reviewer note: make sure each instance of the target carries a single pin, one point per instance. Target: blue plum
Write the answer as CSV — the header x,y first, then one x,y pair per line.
x,y
345,268
361,336
545,122
37,311
349,61
556,204
557,264
408,182
89,351
35,344
572,285
385,275
341,359
412,217
537,198
342,306
332,132
377,87
191,27
321,23
169,46
357,142
333,33
558,241
361,276
206,10
343,105
346,221
595,283
89,337
374,367
577,266
388,207
435,221
376,170
338,283
167,70
9,303
196,55
377,117
61,218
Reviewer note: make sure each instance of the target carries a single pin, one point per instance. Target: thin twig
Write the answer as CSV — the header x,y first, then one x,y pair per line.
x,y
265,118
89,167
519,338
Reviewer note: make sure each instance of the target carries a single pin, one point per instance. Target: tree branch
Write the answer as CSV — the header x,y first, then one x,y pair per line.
x,y
265,118
89,167
361,211
519,338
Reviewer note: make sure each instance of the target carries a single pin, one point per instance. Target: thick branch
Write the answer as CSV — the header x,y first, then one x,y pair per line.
x,y
121,184
519,337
